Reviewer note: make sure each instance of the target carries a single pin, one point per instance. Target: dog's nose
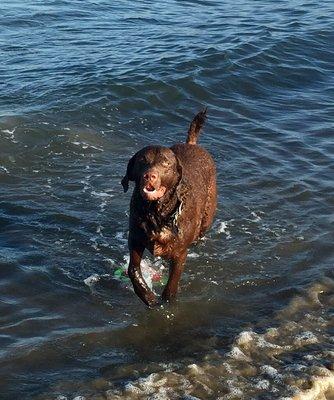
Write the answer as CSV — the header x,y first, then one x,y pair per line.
x,y
151,177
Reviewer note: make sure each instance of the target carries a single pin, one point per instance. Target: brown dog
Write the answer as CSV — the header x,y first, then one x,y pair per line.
x,y
172,205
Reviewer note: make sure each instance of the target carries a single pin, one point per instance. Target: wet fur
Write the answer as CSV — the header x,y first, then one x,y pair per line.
x,y
168,226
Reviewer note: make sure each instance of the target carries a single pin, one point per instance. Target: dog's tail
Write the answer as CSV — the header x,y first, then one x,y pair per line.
x,y
196,126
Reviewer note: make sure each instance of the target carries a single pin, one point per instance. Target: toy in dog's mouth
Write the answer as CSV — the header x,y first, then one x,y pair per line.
x,y
149,192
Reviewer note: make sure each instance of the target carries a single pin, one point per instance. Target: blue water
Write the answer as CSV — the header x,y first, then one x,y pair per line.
x,y
84,85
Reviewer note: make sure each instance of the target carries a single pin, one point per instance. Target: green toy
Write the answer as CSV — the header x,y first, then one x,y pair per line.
x,y
150,275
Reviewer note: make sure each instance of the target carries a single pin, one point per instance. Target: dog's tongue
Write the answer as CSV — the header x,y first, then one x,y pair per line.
x,y
150,193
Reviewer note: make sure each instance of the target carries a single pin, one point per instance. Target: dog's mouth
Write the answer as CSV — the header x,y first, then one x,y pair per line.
x,y
150,192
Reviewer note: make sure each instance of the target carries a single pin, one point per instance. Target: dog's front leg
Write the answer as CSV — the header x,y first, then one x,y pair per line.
x,y
175,271
138,282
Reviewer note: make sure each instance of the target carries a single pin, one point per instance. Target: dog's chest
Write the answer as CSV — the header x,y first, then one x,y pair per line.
x,y
158,225
161,243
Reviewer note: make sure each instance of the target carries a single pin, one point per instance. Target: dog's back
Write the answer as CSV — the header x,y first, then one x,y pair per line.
x,y
199,174
199,177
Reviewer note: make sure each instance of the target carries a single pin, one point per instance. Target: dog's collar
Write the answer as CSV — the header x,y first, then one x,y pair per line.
x,y
173,218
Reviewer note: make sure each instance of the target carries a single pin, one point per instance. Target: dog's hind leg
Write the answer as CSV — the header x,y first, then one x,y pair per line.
x,y
210,207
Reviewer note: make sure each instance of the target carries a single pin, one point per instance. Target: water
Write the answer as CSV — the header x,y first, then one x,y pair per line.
x,y
86,84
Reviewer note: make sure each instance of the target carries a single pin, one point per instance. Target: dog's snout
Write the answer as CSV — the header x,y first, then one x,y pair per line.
x,y
151,176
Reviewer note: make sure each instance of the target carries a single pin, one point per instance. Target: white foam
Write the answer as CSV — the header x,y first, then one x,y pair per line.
x,y
263,384
319,388
85,145
85,183
154,386
120,237
234,391
92,279
130,388
255,216
11,134
8,131
4,169
101,194
237,354
193,255
271,372
104,196
305,338
259,365
222,228
244,338
195,369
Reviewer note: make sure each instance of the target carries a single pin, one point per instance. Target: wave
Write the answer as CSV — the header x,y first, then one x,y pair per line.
x,y
288,360
288,357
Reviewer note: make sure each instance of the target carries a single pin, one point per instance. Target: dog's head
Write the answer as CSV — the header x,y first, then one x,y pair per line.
x,y
155,171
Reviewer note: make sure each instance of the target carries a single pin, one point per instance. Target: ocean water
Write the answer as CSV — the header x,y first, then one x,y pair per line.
x,y
84,85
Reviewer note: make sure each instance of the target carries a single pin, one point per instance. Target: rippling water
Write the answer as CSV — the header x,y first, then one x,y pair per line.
x,y
86,84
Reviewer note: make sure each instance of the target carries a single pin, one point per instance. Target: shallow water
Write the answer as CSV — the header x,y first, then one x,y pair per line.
x,y
86,84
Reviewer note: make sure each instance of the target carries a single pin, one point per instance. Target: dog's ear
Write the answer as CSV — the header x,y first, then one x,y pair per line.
x,y
125,183
179,167
129,174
